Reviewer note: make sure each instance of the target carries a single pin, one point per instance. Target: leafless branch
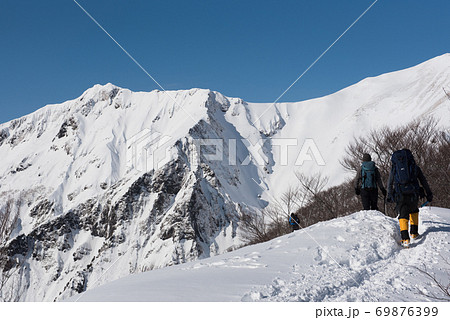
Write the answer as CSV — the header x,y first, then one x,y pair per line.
x,y
442,288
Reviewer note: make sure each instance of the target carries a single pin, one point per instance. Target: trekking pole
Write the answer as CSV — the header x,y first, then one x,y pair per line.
x,y
424,204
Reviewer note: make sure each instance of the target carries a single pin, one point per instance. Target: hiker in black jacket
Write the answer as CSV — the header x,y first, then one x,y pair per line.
x,y
367,182
404,190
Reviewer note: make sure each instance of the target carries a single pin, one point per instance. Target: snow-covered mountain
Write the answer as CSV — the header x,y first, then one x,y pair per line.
x,y
125,182
353,258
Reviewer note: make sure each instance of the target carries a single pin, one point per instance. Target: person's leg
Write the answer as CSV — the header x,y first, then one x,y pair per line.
x,y
374,199
414,229
403,218
404,229
414,217
365,199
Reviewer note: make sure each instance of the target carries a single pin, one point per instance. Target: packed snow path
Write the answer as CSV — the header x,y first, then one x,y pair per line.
x,y
372,265
354,258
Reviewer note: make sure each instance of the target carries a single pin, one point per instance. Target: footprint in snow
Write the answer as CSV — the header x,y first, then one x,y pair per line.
x,y
275,244
253,255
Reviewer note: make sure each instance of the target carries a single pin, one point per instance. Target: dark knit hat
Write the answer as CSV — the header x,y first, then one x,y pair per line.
x,y
366,157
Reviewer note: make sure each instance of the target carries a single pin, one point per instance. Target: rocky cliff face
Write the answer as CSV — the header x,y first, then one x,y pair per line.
x,y
148,227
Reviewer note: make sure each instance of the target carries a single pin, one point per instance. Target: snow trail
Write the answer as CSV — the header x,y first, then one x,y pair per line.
x,y
384,270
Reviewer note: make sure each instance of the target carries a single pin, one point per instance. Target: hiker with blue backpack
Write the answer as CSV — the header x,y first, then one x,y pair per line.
x,y
368,180
405,191
294,221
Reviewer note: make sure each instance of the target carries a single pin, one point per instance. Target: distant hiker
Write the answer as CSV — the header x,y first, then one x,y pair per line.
x,y
368,180
294,221
404,190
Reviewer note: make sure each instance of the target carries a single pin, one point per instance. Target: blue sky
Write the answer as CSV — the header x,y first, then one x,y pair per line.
x,y
52,52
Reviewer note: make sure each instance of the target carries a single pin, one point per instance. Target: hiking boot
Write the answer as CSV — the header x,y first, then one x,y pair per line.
x,y
405,243
414,236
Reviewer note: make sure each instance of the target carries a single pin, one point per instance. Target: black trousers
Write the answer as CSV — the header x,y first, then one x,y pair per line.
x,y
407,204
369,198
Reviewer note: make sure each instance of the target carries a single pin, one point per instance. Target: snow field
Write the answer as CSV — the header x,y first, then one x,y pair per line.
x,y
353,258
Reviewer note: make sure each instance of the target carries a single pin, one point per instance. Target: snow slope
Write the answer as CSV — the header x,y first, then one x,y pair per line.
x,y
85,204
354,258
334,120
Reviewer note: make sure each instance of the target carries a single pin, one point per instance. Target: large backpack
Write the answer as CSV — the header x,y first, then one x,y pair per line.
x,y
368,178
404,171
294,220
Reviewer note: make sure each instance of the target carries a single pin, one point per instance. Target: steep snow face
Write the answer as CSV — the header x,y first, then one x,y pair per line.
x,y
127,182
354,258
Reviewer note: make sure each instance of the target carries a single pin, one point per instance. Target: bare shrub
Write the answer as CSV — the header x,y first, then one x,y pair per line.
x,y
11,293
9,215
324,204
279,211
254,227
439,290
272,221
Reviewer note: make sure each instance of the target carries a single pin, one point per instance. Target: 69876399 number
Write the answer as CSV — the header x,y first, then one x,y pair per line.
x,y
407,311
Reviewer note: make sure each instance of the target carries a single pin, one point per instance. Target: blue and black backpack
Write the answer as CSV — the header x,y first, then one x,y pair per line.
x,y
294,220
404,171
368,177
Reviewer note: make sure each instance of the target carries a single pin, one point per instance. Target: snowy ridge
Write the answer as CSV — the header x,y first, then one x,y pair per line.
x,y
332,121
372,266
85,205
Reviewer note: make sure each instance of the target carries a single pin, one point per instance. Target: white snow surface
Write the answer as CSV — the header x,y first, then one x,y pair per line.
x,y
353,258
72,156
